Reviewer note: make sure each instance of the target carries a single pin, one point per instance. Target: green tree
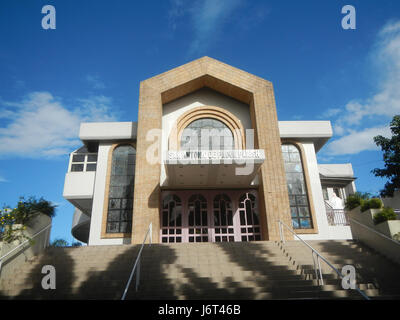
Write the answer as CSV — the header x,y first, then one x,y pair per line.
x,y
391,157
59,243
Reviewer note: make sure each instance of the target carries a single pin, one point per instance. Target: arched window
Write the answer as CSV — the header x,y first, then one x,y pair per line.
x,y
120,196
207,134
298,198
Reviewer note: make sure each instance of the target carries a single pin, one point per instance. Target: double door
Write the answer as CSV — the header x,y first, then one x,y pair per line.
x,y
209,216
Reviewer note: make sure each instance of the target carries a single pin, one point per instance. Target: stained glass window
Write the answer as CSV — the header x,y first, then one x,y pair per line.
x,y
207,134
298,198
120,197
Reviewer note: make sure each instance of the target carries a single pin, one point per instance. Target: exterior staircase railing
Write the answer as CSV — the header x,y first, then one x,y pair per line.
x,y
136,266
317,257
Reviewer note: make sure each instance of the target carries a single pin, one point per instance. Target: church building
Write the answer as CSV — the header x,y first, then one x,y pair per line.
x,y
207,161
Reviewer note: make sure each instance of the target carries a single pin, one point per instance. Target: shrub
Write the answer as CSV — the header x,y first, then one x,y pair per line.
x,y
353,201
364,205
27,208
374,203
384,215
21,214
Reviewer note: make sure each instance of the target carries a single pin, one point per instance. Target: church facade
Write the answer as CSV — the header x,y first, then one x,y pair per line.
x,y
207,161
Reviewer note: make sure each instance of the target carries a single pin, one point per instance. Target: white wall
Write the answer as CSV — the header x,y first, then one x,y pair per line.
x,y
98,200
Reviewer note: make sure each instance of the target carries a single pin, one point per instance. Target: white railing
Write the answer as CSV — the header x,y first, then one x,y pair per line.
x,y
136,266
315,256
336,217
46,243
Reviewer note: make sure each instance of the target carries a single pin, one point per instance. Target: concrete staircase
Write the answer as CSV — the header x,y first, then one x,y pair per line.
x,y
256,270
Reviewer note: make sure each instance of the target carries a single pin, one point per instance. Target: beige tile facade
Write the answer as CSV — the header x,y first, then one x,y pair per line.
x,y
238,84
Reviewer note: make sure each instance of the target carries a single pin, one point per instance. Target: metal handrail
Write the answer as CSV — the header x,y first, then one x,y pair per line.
x,y
22,244
377,232
136,266
318,256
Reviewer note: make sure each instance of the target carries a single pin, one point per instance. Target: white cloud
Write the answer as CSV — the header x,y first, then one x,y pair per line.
x,y
2,179
208,17
41,126
95,82
357,141
378,108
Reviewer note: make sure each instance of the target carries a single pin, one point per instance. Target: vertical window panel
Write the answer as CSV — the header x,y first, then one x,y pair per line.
x,y
298,197
121,189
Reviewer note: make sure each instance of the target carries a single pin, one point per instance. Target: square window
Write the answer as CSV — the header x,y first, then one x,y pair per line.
x,y
91,167
301,200
112,227
114,215
114,204
77,167
92,158
304,212
295,224
78,158
305,223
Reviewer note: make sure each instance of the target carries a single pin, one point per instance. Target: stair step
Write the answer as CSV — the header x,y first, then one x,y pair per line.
x,y
254,270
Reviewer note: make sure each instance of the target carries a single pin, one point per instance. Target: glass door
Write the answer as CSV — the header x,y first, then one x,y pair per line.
x,y
249,218
224,230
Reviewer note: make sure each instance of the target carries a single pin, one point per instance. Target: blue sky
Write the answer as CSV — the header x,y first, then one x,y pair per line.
x,y
89,69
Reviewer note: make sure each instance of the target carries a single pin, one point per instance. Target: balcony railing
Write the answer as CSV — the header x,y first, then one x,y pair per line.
x,y
336,217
